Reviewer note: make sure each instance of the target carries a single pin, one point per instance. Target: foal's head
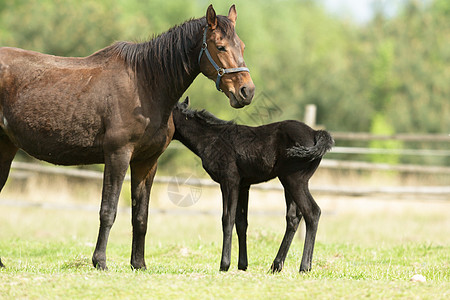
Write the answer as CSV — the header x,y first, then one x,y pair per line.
x,y
221,58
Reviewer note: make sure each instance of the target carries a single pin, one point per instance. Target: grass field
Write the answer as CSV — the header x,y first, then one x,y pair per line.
x,y
371,254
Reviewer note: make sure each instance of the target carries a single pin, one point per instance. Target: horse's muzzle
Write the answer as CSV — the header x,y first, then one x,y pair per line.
x,y
246,93
242,97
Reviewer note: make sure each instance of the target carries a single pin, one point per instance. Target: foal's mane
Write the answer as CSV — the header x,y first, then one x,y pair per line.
x,y
203,115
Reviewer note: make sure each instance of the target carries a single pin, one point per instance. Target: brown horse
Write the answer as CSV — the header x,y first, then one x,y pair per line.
x,y
114,107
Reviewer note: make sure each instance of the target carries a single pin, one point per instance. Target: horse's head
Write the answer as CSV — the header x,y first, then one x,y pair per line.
x,y
222,58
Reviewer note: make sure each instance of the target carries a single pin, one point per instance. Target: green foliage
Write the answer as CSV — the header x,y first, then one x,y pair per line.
x,y
65,27
380,126
297,54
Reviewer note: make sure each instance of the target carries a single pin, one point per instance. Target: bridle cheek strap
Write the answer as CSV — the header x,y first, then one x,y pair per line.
x,y
220,71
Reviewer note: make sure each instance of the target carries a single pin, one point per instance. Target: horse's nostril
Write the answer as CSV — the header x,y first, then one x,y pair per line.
x,y
243,92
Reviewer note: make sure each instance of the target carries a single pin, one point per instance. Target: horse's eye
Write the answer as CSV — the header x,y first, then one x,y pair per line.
x,y
221,48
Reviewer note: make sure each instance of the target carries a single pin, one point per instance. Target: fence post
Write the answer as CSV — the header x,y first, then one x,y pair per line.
x,y
310,115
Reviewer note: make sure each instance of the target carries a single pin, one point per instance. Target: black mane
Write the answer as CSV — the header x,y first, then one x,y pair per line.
x,y
170,53
203,115
164,54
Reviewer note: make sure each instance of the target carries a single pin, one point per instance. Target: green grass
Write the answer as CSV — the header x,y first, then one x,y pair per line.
x,y
370,255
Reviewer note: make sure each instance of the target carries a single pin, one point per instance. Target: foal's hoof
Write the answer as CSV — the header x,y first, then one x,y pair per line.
x,y
139,267
1,264
304,269
99,265
242,268
276,267
224,268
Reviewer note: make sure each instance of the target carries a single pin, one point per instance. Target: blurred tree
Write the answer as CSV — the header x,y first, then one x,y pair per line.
x,y
61,27
390,74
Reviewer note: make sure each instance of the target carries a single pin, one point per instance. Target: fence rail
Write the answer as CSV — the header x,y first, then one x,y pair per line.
x,y
363,136
340,190
418,152
441,191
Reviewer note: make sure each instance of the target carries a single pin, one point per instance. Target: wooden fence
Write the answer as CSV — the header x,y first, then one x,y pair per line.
x,y
441,191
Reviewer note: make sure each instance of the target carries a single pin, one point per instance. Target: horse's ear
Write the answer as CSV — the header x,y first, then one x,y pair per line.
x,y
186,101
211,17
232,14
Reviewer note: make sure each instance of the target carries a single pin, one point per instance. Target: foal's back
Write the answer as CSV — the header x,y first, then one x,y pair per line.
x,y
239,152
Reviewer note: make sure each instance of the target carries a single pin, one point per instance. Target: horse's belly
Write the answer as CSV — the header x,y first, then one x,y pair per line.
x,y
55,141
62,150
63,153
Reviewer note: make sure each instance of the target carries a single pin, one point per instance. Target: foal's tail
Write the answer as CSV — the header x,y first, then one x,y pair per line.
x,y
324,143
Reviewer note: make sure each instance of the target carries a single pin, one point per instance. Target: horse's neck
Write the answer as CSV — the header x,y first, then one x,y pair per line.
x,y
177,77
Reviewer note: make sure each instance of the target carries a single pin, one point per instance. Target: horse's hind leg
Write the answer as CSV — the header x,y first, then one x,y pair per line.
x,y
293,217
141,182
241,227
7,153
297,185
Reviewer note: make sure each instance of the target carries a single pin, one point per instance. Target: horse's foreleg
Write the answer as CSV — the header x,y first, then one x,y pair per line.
x,y
230,194
293,217
116,166
141,183
241,226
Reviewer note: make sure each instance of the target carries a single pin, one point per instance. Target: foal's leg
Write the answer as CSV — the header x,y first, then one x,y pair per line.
x,y
230,194
293,217
297,185
7,153
141,182
311,212
241,226
116,165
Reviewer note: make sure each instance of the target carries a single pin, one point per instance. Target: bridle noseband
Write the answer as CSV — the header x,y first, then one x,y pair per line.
x,y
220,71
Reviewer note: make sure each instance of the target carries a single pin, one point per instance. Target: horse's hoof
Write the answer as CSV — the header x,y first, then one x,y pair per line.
x,y
224,268
1,264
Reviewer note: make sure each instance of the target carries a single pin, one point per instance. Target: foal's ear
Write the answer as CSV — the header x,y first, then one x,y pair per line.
x,y
186,102
232,14
211,17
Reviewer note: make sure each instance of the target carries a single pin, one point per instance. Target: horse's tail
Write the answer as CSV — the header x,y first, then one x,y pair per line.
x,y
323,143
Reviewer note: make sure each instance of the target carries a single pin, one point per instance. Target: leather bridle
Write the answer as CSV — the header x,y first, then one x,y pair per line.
x,y
220,71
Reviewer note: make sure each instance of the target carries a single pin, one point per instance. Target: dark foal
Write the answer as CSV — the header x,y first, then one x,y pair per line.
x,y
114,107
237,156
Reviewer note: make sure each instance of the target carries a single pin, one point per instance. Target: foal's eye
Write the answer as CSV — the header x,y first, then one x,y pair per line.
x,y
221,48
